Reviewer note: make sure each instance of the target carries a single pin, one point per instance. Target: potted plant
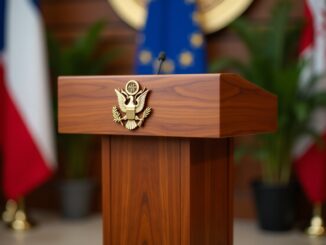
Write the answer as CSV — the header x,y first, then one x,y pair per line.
x,y
273,64
80,58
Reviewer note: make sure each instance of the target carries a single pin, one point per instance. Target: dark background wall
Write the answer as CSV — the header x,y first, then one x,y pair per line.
x,y
67,19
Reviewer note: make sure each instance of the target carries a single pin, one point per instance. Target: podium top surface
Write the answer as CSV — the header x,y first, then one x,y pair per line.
x,y
194,105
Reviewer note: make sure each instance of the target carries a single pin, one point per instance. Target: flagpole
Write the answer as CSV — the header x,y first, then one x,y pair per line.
x,y
316,227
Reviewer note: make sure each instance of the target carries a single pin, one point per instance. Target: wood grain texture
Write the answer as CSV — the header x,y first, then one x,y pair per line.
x,y
167,191
106,189
185,191
245,108
230,188
201,105
210,207
145,191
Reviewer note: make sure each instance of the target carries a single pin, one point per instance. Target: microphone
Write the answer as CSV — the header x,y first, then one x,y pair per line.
x,y
161,58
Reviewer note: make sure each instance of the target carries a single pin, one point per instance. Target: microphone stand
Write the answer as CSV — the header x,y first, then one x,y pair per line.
x,y
161,58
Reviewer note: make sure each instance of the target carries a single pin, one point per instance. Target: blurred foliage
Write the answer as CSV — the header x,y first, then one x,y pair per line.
x,y
273,65
82,57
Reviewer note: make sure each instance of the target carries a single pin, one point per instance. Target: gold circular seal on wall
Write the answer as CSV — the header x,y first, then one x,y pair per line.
x,y
214,14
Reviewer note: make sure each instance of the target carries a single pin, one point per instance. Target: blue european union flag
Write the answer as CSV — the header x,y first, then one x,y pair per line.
x,y
172,26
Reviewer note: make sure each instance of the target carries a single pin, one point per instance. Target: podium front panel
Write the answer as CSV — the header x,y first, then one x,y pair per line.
x,y
167,191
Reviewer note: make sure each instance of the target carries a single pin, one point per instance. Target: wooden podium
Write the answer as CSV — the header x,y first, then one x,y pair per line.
x,y
170,181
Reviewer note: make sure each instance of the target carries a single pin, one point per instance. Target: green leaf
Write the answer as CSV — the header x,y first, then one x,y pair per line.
x,y
86,45
276,36
250,35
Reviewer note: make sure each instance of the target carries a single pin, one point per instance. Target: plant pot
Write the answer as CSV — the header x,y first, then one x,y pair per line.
x,y
76,197
275,206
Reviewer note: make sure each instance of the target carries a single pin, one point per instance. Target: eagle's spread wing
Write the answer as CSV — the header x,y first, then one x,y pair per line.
x,y
141,101
122,100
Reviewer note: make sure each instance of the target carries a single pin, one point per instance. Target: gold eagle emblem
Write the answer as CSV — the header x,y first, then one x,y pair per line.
x,y
131,102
